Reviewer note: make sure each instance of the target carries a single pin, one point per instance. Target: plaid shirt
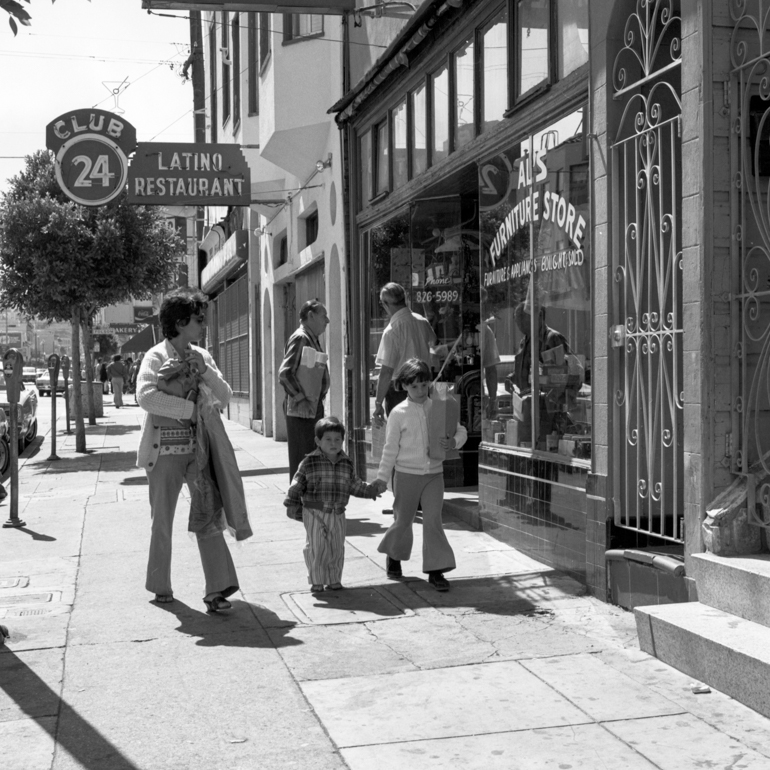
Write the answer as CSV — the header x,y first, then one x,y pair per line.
x,y
325,486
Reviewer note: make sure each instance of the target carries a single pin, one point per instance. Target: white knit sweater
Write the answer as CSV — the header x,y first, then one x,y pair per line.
x,y
406,441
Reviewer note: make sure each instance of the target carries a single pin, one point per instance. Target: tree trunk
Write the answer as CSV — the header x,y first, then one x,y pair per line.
x,y
85,325
80,428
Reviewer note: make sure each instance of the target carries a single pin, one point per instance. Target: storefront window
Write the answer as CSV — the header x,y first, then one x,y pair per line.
x,y
532,34
365,158
495,70
440,94
572,18
419,134
536,333
400,175
464,101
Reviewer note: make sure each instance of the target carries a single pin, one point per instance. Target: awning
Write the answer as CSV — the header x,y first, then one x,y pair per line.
x,y
141,342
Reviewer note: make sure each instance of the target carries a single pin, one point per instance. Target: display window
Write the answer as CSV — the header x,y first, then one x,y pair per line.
x,y
431,248
536,333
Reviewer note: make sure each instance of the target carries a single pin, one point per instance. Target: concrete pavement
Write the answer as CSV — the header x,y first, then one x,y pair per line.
x,y
513,668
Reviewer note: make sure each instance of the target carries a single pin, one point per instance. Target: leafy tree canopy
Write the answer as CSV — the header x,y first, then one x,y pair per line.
x,y
17,14
56,256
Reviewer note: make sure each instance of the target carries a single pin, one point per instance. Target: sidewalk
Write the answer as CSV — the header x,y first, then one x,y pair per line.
x,y
513,668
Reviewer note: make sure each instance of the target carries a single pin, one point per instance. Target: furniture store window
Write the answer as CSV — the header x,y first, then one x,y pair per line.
x,y
465,103
536,332
400,152
419,133
494,70
440,115
381,159
365,168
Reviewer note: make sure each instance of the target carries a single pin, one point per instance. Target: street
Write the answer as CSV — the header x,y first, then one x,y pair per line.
x,y
514,667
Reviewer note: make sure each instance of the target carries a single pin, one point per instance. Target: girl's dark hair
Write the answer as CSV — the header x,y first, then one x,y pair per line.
x,y
411,371
177,308
329,425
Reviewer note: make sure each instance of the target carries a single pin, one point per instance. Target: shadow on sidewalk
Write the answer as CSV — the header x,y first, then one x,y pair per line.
x,y
88,747
365,528
216,632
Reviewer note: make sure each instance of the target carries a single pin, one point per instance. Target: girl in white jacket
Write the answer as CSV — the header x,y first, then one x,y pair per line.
x,y
419,478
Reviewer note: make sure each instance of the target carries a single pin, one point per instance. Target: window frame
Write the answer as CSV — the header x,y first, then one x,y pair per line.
x,y
225,35
252,67
265,41
290,35
213,88
235,58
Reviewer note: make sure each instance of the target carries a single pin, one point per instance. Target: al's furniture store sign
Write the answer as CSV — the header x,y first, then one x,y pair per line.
x,y
202,174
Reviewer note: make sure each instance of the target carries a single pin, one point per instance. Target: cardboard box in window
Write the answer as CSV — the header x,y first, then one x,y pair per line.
x,y
553,355
522,407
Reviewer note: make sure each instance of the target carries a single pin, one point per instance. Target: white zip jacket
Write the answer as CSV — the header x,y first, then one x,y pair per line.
x,y
406,441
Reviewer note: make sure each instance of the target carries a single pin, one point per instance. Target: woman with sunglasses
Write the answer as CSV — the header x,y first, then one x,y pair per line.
x,y
167,447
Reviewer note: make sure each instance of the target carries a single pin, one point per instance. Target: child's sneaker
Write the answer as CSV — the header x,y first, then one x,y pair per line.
x,y
438,581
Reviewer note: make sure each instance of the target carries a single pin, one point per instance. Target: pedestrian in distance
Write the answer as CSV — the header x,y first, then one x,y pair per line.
x,y
304,375
135,373
103,377
129,365
418,479
117,374
322,486
167,448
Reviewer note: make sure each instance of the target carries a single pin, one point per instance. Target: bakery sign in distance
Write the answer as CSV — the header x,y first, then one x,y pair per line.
x,y
163,173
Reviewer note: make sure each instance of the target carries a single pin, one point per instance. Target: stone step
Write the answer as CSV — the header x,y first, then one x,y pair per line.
x,y
739,585
726,652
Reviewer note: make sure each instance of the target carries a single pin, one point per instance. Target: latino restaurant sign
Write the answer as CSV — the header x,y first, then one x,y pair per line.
x,y
201,174
92,149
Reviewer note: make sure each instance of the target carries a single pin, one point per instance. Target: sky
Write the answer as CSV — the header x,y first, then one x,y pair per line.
x,y
76,55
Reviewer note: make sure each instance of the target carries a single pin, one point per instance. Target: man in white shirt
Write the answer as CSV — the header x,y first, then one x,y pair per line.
x,y
408,335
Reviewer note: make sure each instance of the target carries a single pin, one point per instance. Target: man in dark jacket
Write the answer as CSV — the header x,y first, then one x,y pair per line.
x,y
304,375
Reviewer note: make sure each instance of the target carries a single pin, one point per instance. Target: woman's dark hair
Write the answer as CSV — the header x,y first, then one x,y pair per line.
x,y
411,371
177,308
329,425
116,357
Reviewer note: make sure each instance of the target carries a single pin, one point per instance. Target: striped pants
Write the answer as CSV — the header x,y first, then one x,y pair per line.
x,y
325,546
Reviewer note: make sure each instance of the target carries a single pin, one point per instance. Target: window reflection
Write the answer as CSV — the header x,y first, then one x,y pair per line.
x,y
382,158
572,18
495,70
535,292
532,25
365,162
419,135
399,146
465,104
440,92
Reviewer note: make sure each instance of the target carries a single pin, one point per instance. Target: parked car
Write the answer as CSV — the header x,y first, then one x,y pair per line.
x,y
43,383
28,374
27,413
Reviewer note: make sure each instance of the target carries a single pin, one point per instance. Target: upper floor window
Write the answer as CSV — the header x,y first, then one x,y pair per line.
x,y
213,100
264,37
465,90
494,70
400,154
382,154
236,59
225,57
301,25
440,104
252,68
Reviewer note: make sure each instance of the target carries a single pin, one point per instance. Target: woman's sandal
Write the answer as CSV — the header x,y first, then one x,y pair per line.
x,y
216,603
164,598
335,587
316,588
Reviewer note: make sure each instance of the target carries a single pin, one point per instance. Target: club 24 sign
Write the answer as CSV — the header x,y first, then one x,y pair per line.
x,y
92,148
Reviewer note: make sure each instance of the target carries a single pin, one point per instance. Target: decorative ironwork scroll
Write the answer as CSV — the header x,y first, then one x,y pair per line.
x,y
750,245
646,310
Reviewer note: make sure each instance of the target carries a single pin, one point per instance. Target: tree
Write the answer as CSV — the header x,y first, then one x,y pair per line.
x,y
60,261
17,13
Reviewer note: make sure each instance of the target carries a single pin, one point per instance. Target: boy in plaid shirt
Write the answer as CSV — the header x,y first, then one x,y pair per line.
x,y
322,486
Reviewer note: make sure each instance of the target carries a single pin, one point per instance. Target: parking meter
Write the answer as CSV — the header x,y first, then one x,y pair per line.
x,y
53,373
13,363
65,370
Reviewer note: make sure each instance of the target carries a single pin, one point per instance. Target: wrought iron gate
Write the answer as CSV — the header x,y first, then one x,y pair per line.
x,y
646,304
749,98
